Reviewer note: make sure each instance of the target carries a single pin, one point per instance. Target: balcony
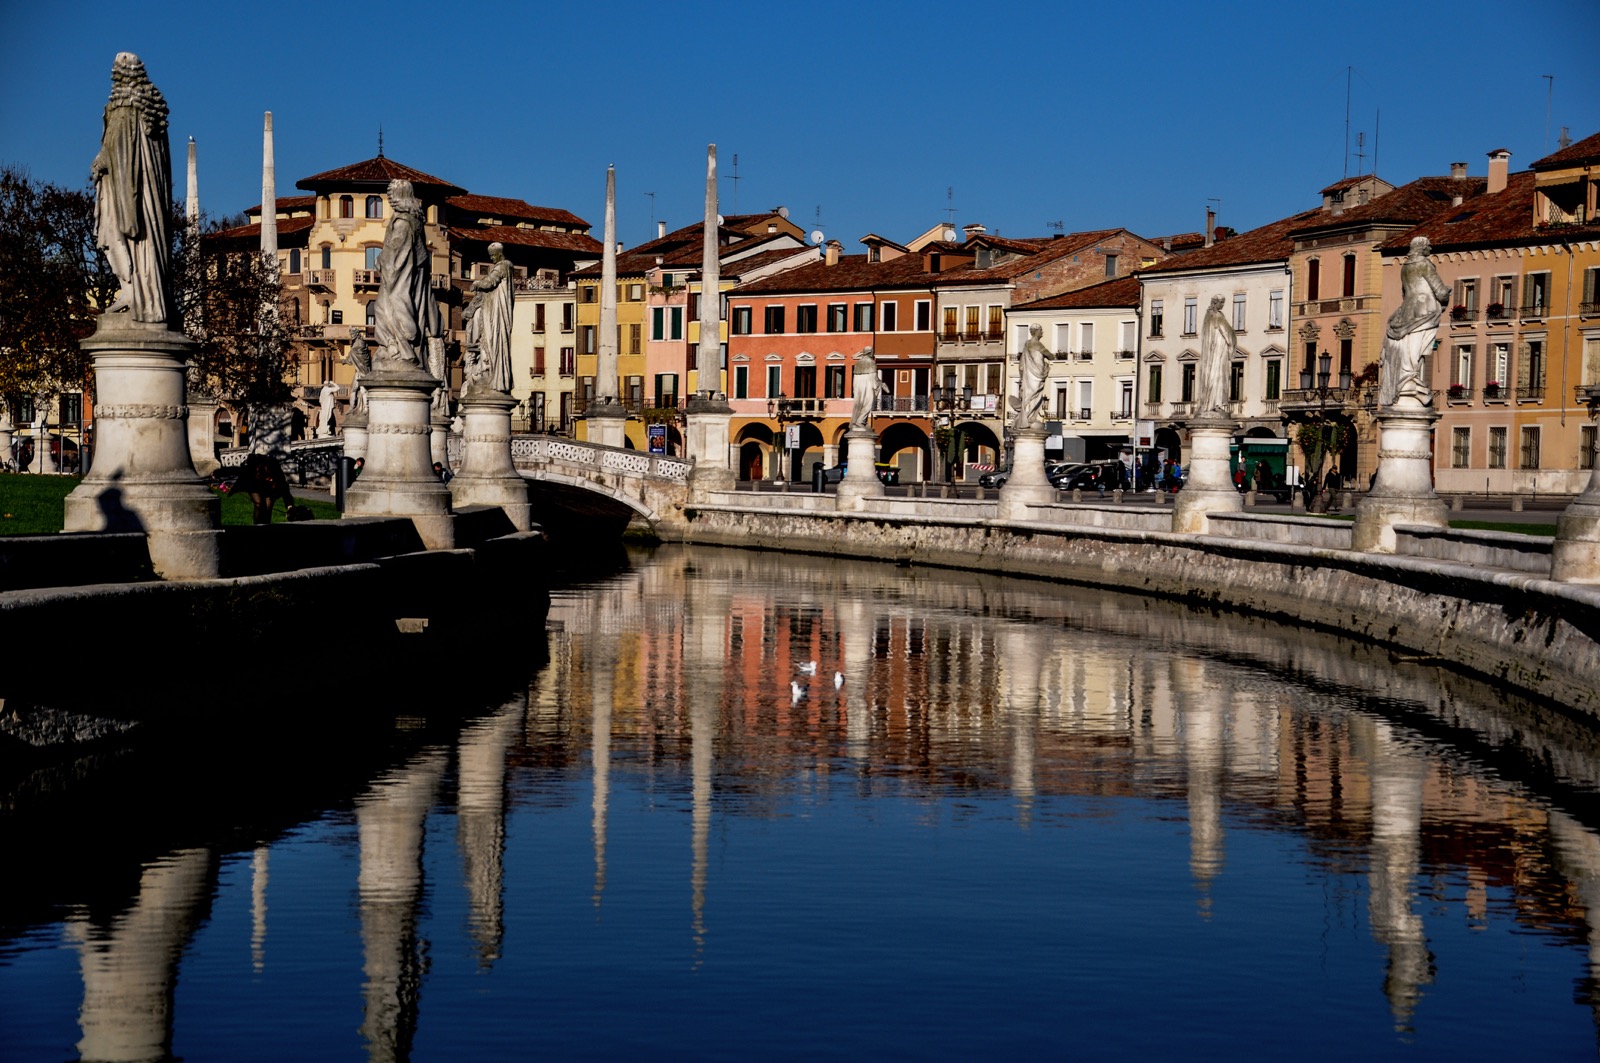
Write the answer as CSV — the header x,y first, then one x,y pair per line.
x,y
1083,356
1457,394
1123,356
1531,393
951,334
1589,309
1085,413
903,404
1534,313
326,333
1124,414
803,409
319,279
1494,393
1152,409
1463,315
1499,312
1182,409
367,278
440,283
536,284
995,334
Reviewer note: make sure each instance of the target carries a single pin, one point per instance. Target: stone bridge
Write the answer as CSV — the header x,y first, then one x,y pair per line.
x,y
569,478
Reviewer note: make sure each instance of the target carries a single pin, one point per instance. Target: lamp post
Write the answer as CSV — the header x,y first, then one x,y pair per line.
x,y
1325,440
946,401
778,408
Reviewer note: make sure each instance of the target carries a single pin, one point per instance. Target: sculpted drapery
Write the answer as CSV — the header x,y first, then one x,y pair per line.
x,y
1217,344
133,193
490,331
405,313
1411,330
1031,363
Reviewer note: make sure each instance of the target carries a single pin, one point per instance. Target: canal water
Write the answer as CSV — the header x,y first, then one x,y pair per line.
x,y
758,806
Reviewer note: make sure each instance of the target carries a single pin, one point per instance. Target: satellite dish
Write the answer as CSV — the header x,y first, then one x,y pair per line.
x,y
783,212
719,219
816,236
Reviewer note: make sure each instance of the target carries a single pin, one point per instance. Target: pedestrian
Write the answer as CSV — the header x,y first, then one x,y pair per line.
x,y
1177,476
444,474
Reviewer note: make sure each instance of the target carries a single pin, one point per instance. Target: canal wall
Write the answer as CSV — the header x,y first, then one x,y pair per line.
x,y
1476,601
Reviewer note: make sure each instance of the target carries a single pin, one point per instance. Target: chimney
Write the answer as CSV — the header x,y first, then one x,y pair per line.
x,y
973,230
1499,169
1211,226
831,255
661,229
1458,170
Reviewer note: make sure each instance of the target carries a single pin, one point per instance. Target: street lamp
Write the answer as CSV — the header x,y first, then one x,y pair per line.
x,y
778,407
1326,440
946,401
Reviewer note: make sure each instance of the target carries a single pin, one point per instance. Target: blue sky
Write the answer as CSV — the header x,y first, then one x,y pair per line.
x,y
856,116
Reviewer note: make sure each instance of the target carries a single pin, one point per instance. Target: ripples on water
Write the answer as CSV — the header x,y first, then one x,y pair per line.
x,y
1024,821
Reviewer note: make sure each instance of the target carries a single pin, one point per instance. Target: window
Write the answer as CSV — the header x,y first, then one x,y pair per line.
x,y
538,424
1111,265
1466,297
294,260
566,317
1530,372
1463,369
372,313
972,324
1460,447
1061,403
741,382
569,359
1346,354
1586,447
347,207
1129,339
774,380
1191,313
1313,278
1124,399
1152,388
674,322
694,306
1530,448
634,338
996,323
838,317
1535,294
586,338
951,327
72,407
538,361
1591,292
636,295
925,315
327,258
692,361
1497,448
1238,311
1505,295
863,317
773,321
805,318
1086,340
538,317
1236,382
1155,319
1274,389
1311,357
336,317
666,390
835,382
888,317
588,293
372,257
1347,286
741,320
805,381
374,206
1275,309
1186,391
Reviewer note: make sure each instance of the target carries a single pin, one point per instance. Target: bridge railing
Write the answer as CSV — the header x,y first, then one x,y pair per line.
x,y
529,450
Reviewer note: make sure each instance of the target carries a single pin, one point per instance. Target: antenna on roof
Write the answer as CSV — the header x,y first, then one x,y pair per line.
x,y
652,196
1058,225
735,179
1361,154
950,204
380,140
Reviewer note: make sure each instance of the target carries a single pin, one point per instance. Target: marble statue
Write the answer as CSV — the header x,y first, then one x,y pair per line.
x,y
360,356
867,387
1411,330
1029,402
133,193
489,330
1217,345
406,315
439,368
325,401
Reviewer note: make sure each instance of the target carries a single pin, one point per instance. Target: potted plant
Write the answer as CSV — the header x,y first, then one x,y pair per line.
x,y
1458,312
1458,391
1497,310
1491,390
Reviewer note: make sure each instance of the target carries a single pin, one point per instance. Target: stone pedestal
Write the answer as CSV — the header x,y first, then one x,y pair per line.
x,y
608,423
1027,485
398,479
143,478
202,435
706,420
487,476
44,463
439,422
1575,555
1402,492
355,434
861,469
6,430
1208,488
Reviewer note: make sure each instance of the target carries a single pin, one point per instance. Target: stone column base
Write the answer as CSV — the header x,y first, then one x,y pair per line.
x,y
1027,486
398,479
355,435
706,444
1208,488
608,424
487,476
861,470
1402,492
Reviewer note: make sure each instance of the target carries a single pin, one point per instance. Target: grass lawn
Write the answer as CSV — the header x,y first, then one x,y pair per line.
x,y
33,505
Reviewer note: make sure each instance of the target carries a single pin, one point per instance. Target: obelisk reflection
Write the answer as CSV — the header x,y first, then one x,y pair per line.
x,y
258,908
1023,651
480,821
1199,692
130,967
389,821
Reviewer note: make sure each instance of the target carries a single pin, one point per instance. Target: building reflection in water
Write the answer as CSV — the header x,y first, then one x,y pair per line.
x,y
130,966
480,821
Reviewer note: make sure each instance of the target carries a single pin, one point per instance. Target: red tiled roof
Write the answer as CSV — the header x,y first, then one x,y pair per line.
x,y
512,235
288,203
1500,219
1343,183
1409,204
1269,243
851,273
681,247
286,227
1585,150
1119,292
376,172
502,207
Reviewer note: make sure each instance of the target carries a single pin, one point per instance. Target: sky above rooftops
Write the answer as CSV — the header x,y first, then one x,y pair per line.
x,y
887,117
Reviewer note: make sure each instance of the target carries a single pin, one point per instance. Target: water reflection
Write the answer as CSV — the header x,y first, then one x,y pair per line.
x,y
910,794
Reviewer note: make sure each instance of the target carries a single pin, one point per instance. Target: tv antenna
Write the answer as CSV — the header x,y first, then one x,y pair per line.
x,y
735,180
652,196
1058,225
1361,152
950,204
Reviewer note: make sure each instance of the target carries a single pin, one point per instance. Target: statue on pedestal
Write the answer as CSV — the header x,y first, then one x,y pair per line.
x,y
867,387
133,193
405,312
360,356
1411,330
1217,345
489,327
325,401
1029,402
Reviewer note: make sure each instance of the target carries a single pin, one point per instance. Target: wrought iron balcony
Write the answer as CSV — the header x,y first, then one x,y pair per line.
x,y
1458,393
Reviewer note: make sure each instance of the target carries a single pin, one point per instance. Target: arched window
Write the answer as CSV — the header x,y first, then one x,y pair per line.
x,y
1349,287
374,206
294,260
347,207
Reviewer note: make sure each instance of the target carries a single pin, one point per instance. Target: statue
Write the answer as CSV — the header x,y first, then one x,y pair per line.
x,y
1217,345
439,367
1411,330
360,356
133,193
489,327
325,401
1029,401
868,386
406,315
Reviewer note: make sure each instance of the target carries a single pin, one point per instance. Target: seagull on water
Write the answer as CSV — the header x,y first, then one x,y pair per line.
x,y
796,691
806,668
838,680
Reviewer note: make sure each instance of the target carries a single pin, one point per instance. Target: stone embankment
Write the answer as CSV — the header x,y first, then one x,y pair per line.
x,y
1481,602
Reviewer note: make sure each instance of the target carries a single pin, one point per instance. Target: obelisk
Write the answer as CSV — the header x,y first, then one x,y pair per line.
x,y
269,197
707,412
607,418
202,407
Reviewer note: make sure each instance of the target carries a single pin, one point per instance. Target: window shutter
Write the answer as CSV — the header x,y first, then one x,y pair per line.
x,y
1522,366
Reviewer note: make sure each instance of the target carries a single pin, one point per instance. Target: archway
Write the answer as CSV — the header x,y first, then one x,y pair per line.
x,y
903,444
1168,439
977,449
808,453
755,444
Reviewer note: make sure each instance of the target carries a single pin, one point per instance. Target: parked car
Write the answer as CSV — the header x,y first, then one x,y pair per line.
x,y
1068,475
997,478
887,474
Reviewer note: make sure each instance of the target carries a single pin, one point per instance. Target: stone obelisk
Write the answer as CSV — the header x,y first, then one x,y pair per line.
x,y
202,408
191,207
607,418
269,196
142,479
707,413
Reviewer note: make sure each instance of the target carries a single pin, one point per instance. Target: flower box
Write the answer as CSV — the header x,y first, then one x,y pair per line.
x,y
1458,313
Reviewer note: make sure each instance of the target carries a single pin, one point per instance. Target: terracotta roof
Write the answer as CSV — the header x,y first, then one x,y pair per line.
x,y
377,173
1116,293
1585,150
1181,241
286,226
760,260
851,273
501,207
1344,183
1036,252
874,238
680,248
1411,203
1500,219
1269,243
288,203
512,235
